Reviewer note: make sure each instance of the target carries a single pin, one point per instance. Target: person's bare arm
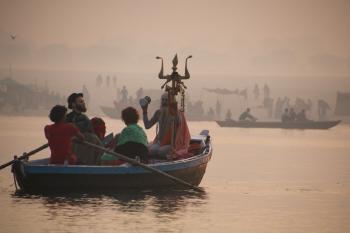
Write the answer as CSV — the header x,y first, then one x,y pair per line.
x,y
149,123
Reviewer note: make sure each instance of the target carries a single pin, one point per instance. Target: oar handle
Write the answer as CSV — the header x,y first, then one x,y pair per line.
x,y
137,163
25,155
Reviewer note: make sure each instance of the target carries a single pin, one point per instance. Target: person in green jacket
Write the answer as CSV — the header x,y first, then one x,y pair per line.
x,y
132,141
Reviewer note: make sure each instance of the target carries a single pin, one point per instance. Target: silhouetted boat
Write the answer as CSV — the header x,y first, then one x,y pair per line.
x,y
278,124
39,176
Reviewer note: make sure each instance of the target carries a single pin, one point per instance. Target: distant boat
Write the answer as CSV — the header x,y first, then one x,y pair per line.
x,y
279,124
39,176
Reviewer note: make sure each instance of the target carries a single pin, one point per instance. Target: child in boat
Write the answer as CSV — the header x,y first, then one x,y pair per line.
x,y
99,127
59,136
131,142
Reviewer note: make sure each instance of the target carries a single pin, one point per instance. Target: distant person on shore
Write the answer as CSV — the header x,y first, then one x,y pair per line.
x,y
278,108
292,114
246,116
86,95
139,93
256,91
59,136
322,109
228,115
218,109
285,116
301,116
86,155
266,91
124,94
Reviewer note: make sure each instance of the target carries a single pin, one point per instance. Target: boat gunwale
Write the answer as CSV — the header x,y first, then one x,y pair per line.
x,y
166,166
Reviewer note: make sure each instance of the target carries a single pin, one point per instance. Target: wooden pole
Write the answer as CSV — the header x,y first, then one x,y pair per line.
x,y
25,155
146,167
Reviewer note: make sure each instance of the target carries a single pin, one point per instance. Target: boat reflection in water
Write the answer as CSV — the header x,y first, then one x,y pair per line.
x,y
120,207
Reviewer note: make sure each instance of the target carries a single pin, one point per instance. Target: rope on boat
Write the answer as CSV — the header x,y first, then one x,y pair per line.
x,y
14,181
15,158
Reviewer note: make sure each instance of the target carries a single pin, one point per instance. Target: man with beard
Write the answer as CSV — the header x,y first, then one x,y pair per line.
x,y
85,155
162,143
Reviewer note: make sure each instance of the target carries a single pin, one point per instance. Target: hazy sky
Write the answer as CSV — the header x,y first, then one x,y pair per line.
x,y
255,37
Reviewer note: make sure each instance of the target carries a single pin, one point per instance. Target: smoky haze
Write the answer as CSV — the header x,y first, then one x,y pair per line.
x,y
293,46
227,37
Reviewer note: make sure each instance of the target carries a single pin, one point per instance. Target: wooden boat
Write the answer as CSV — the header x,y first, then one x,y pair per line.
x,y
276,124
39,176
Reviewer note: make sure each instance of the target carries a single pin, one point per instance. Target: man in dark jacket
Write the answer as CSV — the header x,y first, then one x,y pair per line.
x,y
86,155
77,104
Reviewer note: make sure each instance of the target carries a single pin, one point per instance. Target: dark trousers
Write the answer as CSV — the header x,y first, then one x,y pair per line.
x,y
133,149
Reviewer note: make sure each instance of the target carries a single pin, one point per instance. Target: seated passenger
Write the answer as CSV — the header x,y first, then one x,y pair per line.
x,y
161,146
132,141
99,127
85,154
246,116
59,136
285,116
301,116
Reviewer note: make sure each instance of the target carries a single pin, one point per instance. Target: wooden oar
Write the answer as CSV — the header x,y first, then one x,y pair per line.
x,y
25,155
135,162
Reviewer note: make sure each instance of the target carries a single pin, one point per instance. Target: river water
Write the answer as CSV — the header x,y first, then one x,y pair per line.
x,y
258,180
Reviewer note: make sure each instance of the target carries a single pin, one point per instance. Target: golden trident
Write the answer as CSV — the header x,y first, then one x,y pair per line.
x,y
177,85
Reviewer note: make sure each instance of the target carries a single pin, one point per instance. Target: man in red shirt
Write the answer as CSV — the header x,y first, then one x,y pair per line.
x,y
59,136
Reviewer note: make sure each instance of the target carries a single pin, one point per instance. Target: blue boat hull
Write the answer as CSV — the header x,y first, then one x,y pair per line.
x,y
32,176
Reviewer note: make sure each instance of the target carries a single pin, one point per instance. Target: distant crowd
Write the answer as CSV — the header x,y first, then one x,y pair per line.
x,y
16,98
